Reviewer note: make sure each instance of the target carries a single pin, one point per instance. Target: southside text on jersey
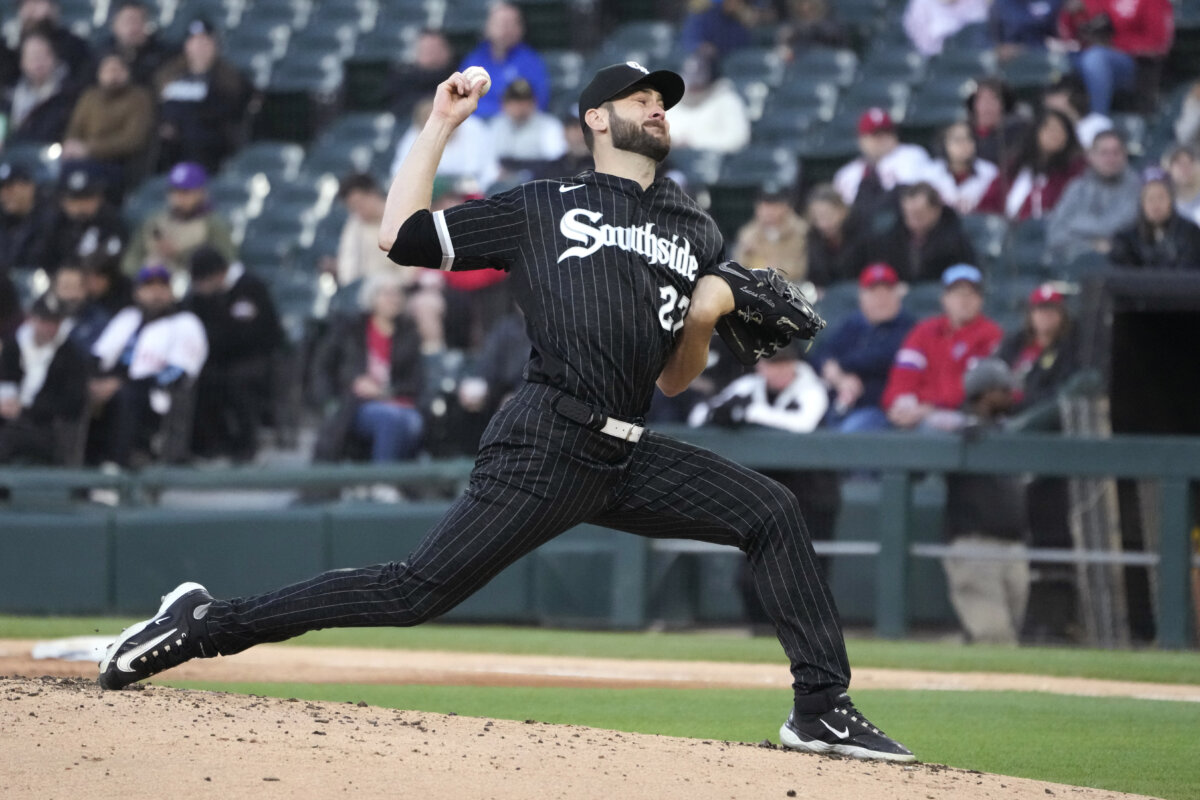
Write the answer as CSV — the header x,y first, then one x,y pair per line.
x,y
641,240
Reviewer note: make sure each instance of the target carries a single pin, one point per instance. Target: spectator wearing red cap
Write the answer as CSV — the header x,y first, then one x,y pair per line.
x,y
170,235
925,385
884,163
855,357
1042,354
1161,238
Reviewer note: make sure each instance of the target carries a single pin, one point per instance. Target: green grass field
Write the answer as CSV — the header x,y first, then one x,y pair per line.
x,y
1127,745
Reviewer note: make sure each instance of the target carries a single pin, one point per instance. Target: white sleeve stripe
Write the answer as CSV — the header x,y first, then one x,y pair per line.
x,y
439,223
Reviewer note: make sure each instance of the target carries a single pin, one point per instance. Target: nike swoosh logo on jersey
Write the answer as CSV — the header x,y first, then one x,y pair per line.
x,y
844,733
125,662
201,612
565,189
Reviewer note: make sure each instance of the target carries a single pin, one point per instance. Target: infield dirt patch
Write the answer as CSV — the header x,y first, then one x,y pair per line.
x,y
62,737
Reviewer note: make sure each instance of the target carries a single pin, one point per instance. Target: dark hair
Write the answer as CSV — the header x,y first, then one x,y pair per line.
x,y
1111,133
1008,99
922,189
357,182
1029,153
1076,92
940,144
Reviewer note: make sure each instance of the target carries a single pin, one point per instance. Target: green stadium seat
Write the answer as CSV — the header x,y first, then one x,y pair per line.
x,y
754,63
1007,295
891,96
837,302
565,68
275,159
783,126
988,233
549,24
822,64
655,38
1030,71
292,13
741,178
924,299
145,200
1026,250
701,167
891,63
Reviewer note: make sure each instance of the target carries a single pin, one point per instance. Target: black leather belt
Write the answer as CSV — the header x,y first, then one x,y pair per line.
x,y
580,412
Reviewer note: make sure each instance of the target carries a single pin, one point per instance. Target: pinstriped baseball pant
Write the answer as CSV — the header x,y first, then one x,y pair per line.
x,y
538,475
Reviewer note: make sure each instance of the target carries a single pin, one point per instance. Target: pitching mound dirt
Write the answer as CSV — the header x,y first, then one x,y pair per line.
x,y
64,738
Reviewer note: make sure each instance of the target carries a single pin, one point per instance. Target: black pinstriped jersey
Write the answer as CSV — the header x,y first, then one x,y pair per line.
x,y
603,270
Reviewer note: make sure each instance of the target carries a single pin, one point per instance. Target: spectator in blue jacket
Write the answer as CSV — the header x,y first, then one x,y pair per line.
x,y
855,358
1017,24
718,29
506,57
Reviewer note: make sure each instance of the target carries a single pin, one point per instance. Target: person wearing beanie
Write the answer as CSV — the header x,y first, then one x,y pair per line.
x,y
1160,238
42,384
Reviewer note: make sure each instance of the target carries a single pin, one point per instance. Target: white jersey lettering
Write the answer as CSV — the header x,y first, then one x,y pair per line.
x,y
673,253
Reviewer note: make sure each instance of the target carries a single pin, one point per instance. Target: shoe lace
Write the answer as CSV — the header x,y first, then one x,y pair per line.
x,y
849,710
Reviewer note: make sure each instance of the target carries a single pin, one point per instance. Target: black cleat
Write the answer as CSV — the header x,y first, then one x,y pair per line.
x,y
842,730
172,636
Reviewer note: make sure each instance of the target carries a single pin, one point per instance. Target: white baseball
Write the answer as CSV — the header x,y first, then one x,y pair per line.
x,y
476,74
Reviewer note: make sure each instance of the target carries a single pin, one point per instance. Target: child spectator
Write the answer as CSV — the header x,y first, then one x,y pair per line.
x,y
959,175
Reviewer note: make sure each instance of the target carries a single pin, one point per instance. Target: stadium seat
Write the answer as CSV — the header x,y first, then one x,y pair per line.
x,y
1080,267
292,13
318,41
783,126
366,80
700,167
1030,71
146,199
548,23
331,16
933,105
754,63
741,178
1008,295
1026,250
962,64
654,38
892,62
987,233
826,148
1134,128
822,64
565,68
838,301
891,96
924,299
274,159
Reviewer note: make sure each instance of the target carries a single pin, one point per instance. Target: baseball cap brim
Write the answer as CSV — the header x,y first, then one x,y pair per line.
x,y
617,79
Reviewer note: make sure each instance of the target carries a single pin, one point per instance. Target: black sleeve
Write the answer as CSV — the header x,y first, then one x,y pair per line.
x,y
482,234
417,243
1124,252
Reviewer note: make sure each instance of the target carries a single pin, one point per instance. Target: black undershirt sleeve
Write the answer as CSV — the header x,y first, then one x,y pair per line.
x,y
417,242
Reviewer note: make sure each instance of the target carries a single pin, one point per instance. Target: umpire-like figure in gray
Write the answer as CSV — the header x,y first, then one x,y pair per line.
x,y
615,273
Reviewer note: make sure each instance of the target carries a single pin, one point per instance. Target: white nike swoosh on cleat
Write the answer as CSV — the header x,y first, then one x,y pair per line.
x,y
125,662
200,612
842,734
565,189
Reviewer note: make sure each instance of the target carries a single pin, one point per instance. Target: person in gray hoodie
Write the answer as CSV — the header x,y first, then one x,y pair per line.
x,y
1097,204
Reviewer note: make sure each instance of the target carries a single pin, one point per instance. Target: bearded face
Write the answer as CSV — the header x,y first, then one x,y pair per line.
x,y
629,135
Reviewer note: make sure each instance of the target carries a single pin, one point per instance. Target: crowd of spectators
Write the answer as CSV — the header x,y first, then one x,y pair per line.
x,y
163,311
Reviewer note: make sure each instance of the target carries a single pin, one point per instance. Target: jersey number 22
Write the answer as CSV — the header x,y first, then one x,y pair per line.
x,y
673,309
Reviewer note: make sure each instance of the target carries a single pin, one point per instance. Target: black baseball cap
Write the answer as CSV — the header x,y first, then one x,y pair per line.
x,y
80,182
616,79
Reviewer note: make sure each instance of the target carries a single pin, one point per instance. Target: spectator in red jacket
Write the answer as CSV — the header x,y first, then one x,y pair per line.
x,y
1105,37
925,388
1030,183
